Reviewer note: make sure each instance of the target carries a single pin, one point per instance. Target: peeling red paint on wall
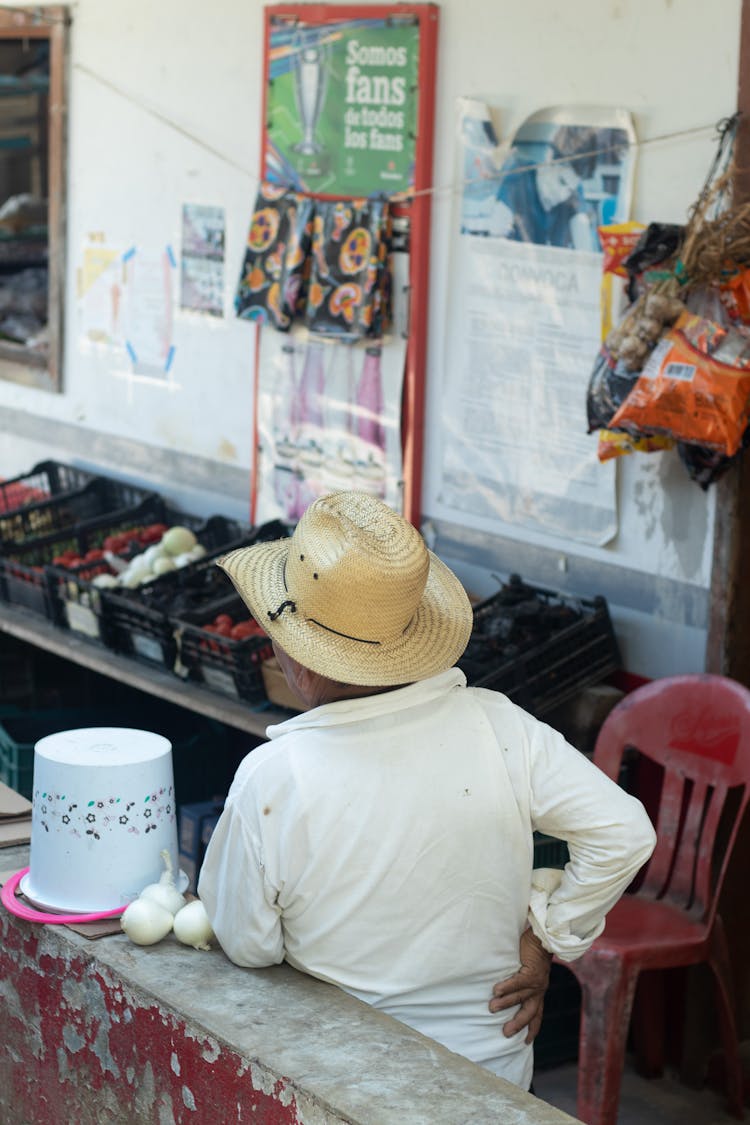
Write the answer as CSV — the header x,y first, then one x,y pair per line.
x,y
77,1047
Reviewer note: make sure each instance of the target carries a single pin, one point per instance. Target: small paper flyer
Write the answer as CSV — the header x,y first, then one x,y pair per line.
x,y
202,266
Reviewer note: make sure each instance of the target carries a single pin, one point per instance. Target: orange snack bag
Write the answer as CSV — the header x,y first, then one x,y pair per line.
x,y
619,240
695,387
736,296
619,444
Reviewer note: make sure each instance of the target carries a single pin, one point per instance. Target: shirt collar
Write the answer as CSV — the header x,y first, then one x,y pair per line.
x,y
353,710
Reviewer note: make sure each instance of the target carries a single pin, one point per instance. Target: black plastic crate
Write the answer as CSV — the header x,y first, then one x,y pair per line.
x,y
141,622
83,607
46,480
539,647
23,575
76,599
223,663
41,522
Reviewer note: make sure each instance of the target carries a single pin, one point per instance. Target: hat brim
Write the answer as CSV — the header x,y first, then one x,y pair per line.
x,y
432,642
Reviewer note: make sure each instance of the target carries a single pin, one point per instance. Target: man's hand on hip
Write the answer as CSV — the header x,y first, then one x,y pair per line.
x,y
526,987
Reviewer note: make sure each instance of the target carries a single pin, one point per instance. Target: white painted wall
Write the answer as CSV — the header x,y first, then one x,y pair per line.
x,y
165,109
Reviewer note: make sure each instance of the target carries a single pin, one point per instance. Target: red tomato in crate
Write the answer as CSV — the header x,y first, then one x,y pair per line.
x,y
115,544
91,570
244,629
94,555
212,645
63,559
223,619
152,533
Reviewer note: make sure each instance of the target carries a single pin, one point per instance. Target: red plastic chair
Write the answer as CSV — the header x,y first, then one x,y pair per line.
x,y
697,728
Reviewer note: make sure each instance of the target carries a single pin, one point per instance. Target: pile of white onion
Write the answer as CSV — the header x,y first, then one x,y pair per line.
x,y
161,909
177,547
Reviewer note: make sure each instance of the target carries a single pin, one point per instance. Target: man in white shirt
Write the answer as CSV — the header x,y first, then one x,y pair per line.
x,y
382,840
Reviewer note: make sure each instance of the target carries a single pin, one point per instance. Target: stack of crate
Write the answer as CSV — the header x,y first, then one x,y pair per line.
x,y
196,823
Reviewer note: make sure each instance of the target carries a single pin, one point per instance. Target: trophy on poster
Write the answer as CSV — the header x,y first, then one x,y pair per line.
x,y
310,79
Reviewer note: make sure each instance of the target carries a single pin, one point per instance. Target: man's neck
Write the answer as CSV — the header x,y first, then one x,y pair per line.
x,y
328,691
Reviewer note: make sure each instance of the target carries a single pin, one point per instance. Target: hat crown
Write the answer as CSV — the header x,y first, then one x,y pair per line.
x,y
356,568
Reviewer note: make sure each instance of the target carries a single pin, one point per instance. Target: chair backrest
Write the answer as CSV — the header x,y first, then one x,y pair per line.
x,y
697,728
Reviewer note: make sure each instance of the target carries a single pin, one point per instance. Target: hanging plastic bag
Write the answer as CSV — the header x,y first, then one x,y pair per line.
x,y
624,352
627,247
618,242
706,466
616,443
653,257
734,293
694,387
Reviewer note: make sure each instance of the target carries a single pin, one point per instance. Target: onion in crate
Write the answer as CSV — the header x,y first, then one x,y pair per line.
x,y
178,540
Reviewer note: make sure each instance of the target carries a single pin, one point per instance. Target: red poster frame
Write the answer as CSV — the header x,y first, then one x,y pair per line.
x,y
416,204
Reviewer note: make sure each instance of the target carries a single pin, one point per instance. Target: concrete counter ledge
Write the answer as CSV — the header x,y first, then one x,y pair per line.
x,y
106,1031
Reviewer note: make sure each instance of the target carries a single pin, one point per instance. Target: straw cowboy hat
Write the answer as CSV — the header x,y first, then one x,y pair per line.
x,y
355,595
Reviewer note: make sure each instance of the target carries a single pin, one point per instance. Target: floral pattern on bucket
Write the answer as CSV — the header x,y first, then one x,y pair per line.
x,y
103,815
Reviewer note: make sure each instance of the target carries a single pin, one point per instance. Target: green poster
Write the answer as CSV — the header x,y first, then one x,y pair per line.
x,y
342,106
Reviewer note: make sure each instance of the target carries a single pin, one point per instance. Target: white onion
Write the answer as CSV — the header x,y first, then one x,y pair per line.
x,y
105,581
152,553
130,579
163,564
139,564
165,891
192,927
177,540
166,896
146,922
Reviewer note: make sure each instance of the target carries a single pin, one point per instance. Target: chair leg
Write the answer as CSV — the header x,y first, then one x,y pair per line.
x,y
649,1022
719,961
607,988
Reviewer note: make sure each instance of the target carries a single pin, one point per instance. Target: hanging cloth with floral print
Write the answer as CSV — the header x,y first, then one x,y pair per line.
x,y
273,283
349,289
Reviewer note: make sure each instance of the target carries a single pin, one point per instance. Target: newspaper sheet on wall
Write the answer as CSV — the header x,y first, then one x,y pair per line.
x,y
521,343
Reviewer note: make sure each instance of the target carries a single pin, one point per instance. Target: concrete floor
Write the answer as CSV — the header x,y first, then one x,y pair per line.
x,y
644,1101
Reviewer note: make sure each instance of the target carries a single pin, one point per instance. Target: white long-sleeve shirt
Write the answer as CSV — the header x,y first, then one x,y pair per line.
x,y
384,844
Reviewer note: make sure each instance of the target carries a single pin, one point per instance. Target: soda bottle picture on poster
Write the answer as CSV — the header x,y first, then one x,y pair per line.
x,y
342,106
